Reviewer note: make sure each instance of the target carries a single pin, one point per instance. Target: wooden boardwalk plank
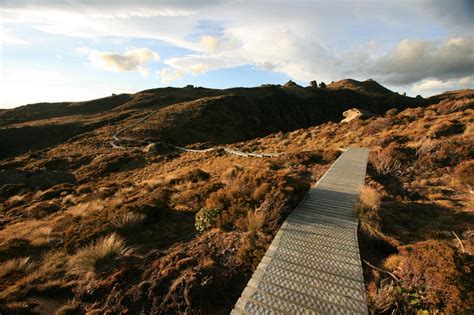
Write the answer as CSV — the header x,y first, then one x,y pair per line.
x,y
313,264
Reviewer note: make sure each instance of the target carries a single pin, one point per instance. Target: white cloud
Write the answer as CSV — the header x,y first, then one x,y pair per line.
x,y
305,40
210,43
7,37
415,60
437,86
132,60
168,75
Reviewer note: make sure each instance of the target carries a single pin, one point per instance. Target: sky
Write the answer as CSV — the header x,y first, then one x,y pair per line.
x,y
74,50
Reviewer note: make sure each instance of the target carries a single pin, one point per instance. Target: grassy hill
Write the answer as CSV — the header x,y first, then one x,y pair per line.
x,y
84,227
195,114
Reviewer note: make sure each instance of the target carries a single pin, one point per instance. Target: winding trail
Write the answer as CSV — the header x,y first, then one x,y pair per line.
x,y
313,264
115,144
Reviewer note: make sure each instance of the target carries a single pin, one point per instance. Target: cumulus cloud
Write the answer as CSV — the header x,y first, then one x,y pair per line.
x,y
304,40
210,43
168,75
132,60
414,60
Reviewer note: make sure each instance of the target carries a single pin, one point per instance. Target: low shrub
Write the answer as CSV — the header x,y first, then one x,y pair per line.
x,y
197,175
424,280
206,218
384,163
376,126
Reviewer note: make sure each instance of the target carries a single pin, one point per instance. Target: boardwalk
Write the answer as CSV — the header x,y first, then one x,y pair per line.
x,y
313,264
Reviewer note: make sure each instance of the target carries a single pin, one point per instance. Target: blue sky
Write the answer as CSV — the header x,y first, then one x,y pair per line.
x,y
79,50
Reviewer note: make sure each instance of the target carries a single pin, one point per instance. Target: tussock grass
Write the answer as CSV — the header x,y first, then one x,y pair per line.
x,y
369,198
254,221
86,208
129,221
367,209
72,307
16,199
152,183
384,163
23,265
38,232
384,297
98,255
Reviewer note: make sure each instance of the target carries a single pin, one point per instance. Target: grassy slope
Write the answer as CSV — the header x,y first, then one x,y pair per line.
x,y
59,201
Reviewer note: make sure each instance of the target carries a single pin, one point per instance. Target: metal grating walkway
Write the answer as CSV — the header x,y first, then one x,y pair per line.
x,y
313,264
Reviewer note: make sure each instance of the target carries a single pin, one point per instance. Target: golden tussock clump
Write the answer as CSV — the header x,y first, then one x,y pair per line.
x,y
96,256
23,265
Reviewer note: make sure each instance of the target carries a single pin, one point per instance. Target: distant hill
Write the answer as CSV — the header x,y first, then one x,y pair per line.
x,y
367,87
189,115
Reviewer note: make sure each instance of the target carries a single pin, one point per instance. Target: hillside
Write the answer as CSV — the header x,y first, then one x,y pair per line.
x,y
369,86
87,228
196,114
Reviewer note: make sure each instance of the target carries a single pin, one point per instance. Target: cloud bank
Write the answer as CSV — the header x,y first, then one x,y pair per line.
x,y
414,60
403,43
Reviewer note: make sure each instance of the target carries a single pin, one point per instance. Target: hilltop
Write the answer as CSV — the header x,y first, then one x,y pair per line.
x,y
368,86
88,228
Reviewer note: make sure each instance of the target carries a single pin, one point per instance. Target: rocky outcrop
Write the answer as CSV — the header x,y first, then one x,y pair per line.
x,y
291,84
354,113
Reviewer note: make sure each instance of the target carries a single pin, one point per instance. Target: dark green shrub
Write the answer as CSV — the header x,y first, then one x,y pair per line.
x,y
206,218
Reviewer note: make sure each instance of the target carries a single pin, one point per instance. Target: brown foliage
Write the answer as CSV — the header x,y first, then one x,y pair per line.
x,y
431,264
427,279
465,174
368,211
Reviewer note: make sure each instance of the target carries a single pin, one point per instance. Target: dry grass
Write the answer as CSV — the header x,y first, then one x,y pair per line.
x,y
254,221
129,220
23,265
369,198
425,146
72,307
426,280
368,211
38,232
152,183
261,191
384,163
68,200
86,208
464,174
384,297
211,261
98,255
16,199
392,262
